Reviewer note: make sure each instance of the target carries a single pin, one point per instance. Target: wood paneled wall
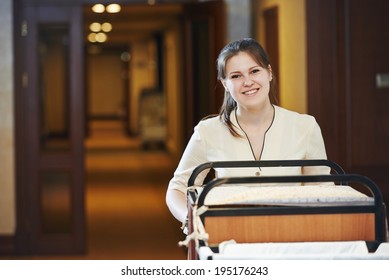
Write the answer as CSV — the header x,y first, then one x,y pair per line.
x,y
347,43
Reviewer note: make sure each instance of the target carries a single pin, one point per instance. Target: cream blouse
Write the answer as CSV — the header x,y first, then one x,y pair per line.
x,y
291,136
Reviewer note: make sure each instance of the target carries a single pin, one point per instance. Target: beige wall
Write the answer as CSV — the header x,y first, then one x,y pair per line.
x,y
292,51
173,91
7,170
106,90
142,75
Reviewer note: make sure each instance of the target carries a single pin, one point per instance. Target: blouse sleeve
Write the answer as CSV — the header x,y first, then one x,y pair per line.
x,y
315,150
193,156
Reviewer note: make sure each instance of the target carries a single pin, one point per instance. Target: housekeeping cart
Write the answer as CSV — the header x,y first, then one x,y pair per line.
x,y
285,217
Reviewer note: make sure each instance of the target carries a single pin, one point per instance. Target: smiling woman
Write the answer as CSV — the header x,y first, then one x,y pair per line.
x,y
248,82
248,127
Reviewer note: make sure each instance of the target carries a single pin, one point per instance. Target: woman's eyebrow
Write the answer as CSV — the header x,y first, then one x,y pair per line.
x,y
250,68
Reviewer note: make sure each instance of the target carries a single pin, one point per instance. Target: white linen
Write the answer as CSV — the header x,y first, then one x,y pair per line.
x,y
299,250
286,195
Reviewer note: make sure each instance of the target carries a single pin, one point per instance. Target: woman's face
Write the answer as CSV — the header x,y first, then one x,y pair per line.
x,y
247,81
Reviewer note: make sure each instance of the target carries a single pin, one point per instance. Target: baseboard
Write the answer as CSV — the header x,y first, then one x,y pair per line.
x,y
7,246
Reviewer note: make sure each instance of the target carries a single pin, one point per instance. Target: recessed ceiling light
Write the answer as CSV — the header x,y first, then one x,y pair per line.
x,y
95,27
113,8
101,37
106,27
98,8
92,37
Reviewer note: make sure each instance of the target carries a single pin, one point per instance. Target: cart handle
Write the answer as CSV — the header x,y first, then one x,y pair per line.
x,y
263,163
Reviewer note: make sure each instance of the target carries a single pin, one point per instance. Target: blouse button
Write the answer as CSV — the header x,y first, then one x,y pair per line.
x,y
257,173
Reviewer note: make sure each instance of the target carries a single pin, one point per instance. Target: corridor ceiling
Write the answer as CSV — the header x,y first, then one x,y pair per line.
x,y
134,22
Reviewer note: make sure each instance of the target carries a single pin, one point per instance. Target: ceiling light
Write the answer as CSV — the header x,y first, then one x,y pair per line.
x,y
92,37
113,8
101,37
95,27
98,8
106,27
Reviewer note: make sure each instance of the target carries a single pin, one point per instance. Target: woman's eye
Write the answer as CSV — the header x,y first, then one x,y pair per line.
x,y
255,71
235,76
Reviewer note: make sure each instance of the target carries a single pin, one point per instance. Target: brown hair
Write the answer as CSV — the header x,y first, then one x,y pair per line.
x,y
257,52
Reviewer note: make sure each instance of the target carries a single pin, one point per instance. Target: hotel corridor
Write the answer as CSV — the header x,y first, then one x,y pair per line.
x,y
125,199
127,217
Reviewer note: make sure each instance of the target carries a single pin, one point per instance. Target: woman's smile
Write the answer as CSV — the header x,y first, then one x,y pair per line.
x,y
251,92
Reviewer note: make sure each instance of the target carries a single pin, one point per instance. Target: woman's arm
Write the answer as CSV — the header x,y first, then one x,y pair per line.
x,y
177,204
316,150
193,156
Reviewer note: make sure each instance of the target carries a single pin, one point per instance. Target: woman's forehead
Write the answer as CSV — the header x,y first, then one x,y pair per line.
x,y
241,61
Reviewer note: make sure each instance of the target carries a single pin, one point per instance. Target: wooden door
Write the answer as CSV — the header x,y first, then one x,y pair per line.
x,y
204,37
348,64
49,130
272,47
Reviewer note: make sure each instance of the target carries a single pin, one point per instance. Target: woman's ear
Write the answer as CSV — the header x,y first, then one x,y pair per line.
x,y
270,72
224,84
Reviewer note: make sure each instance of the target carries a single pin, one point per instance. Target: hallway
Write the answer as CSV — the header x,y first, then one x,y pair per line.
x,y
127,217
125,199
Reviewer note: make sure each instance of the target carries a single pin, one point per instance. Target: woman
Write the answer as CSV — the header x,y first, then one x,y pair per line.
x,y
249,126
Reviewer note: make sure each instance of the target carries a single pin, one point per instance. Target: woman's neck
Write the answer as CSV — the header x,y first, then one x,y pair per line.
x,y
256,116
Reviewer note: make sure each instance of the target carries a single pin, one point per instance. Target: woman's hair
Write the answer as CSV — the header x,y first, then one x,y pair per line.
x,y
257,52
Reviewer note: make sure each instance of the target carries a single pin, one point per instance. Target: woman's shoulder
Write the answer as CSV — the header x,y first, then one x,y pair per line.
x,y
209,121
211,125
289,116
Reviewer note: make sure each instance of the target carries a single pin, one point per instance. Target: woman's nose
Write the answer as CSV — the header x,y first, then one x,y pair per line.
x,y
247,82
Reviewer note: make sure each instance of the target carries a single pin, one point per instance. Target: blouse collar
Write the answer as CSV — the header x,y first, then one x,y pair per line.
x,y
234,120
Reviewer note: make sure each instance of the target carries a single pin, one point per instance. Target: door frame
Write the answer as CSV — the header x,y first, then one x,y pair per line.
x,y
30,163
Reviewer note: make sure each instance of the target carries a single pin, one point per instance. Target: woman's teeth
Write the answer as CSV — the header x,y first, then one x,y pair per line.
x,y
250,92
